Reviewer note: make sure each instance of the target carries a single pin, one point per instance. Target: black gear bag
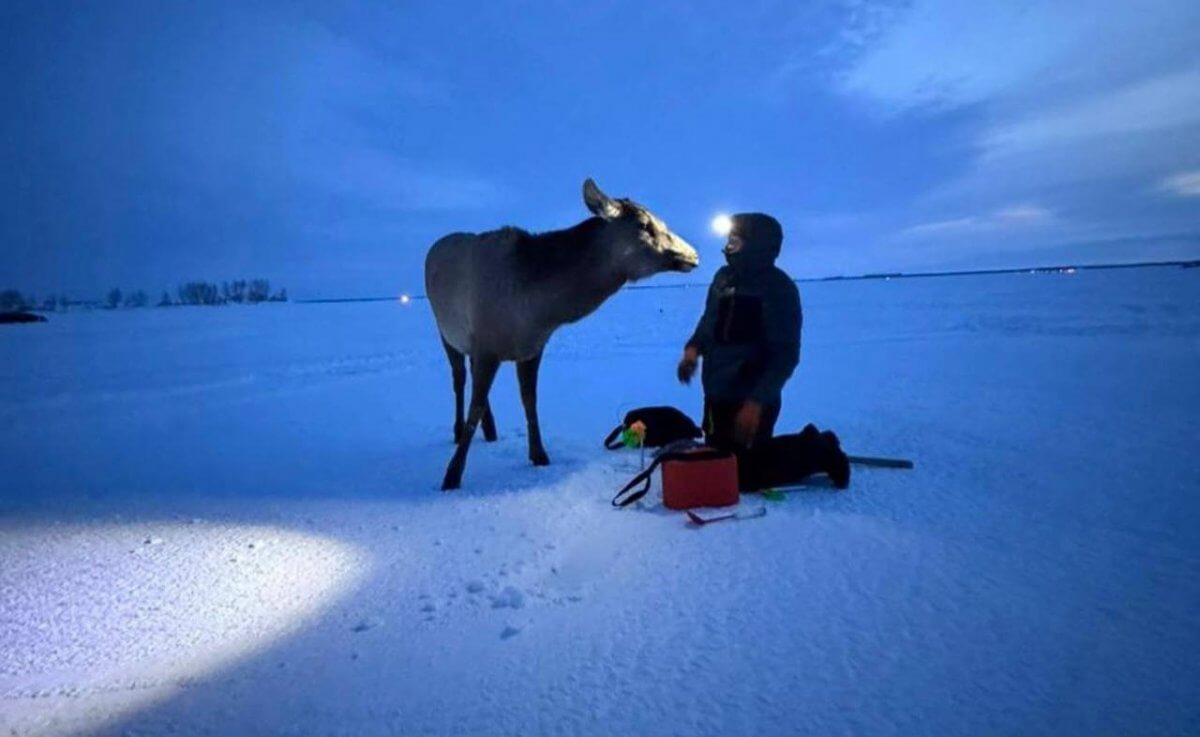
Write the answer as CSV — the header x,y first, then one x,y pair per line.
x,y
664,425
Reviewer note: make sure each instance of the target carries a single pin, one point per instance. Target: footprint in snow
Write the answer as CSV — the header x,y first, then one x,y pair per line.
x,y
510,631
367,624
510,598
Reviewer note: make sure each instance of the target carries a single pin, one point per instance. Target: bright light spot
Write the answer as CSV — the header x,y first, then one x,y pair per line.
x,y
405,299
722,225
103,620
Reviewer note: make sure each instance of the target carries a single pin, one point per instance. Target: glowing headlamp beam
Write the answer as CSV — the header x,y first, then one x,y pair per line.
x,y
722,225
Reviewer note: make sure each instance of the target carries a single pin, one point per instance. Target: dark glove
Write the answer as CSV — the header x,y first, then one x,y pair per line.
x,y
687,365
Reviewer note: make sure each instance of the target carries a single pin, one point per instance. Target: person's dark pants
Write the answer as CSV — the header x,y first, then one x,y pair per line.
x,y
720,419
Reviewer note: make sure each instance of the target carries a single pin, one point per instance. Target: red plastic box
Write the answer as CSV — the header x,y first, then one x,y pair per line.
x,y
700,478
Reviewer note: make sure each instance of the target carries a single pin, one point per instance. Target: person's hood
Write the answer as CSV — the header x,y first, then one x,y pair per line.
x,y
762,239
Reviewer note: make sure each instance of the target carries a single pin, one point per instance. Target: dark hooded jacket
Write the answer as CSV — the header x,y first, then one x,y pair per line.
x,y
749,334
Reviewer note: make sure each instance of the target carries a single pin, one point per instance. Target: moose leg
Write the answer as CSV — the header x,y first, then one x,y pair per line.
x,y
489,422
527,376
458,370
483,373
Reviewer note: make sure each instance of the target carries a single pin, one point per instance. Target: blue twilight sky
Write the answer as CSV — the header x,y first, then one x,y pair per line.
x,y
325,145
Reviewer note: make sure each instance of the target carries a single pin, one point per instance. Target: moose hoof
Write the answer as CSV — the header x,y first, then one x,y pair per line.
x,y
489,437
450,484
539,458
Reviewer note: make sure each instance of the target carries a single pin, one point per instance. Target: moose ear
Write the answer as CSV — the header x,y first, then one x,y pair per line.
x,y
599,203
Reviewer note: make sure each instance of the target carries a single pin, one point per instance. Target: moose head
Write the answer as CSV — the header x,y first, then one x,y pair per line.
x,y
637,237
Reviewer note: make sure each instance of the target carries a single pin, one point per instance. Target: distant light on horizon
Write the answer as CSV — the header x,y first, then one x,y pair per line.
x,y
722,225
405,299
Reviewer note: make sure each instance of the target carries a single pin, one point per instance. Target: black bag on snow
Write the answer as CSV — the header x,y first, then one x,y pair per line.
x,y
663,425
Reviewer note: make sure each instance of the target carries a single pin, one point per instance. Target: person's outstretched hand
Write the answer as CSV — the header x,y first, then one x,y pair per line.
x,y
687,365
745,425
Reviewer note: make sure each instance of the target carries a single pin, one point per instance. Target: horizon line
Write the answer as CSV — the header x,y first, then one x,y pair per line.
x,y
1058,268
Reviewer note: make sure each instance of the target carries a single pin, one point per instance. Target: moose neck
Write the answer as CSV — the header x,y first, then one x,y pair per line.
x,y
578,269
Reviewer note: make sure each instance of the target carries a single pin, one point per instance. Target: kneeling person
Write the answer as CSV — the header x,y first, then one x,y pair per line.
x,y
749,337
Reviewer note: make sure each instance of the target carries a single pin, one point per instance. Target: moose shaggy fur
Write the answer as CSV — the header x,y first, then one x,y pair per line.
x,y
499,296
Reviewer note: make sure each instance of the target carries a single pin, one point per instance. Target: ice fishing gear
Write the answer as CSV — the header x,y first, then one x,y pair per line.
x,y
661,425
700,477
634,436
700,520
873,462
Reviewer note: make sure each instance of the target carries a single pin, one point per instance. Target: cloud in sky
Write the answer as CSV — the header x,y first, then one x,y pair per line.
x,y
302,121
159,141
190,141
939,55
387,181
1184,184
947,54
1073,104
1008,218
1149,106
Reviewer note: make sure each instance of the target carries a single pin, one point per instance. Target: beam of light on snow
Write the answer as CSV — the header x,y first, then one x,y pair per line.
x,y
103,620
722,225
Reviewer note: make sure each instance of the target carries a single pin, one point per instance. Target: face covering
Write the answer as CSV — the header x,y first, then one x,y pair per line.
x,y
761,237
731,256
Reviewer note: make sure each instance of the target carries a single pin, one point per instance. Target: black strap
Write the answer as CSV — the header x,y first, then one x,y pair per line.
x,y
608,442
643,478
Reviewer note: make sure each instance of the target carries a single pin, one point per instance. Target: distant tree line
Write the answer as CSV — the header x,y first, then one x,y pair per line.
x,y
12,300
240,291
230,292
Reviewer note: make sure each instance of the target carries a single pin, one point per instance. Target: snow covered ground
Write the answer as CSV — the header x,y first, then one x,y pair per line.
x,y
226,521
